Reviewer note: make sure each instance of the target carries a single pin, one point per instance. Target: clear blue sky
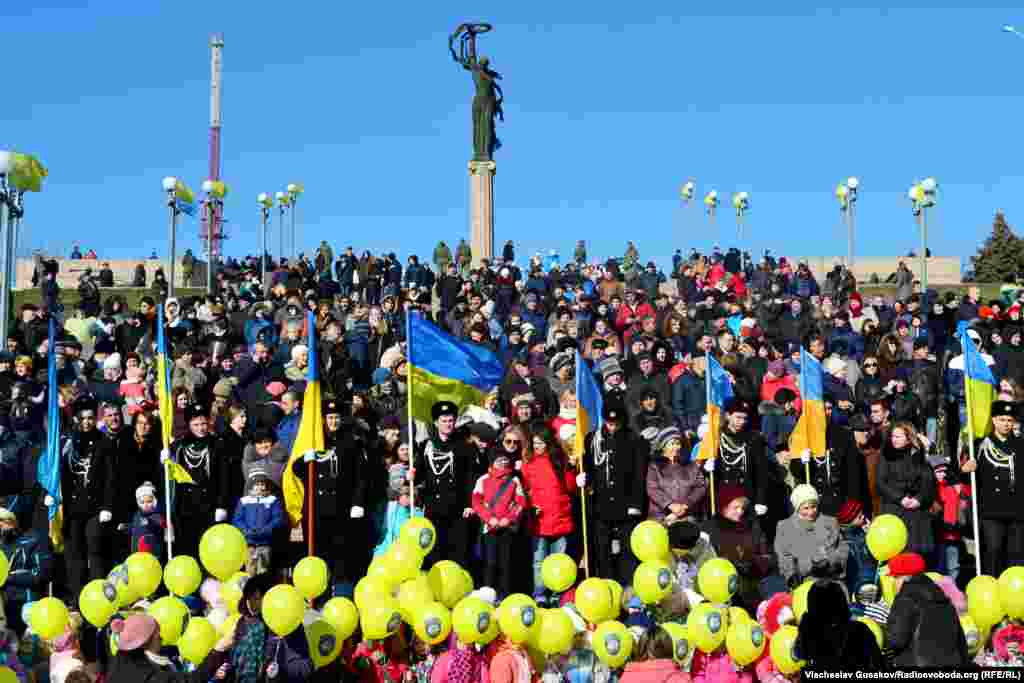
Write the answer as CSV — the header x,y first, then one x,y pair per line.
x,y
610,107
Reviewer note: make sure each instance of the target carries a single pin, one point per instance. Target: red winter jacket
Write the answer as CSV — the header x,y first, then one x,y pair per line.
x,y
638,313
549,495
509,505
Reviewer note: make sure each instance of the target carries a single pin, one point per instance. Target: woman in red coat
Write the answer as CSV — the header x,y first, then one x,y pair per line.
x,y
550,483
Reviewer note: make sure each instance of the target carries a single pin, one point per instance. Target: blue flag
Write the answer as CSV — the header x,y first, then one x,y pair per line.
x,y
48,469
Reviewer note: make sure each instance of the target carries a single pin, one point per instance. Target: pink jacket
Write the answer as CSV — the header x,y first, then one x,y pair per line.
x,y
654,671
717,667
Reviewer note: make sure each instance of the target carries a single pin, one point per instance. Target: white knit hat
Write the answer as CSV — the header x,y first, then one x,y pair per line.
x,y
112,362
803,494
144,490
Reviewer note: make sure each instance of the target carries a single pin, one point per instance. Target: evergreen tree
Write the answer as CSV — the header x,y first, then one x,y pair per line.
x,y
1000,258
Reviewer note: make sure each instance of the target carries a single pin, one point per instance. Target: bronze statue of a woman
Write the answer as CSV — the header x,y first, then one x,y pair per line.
x,y
488,97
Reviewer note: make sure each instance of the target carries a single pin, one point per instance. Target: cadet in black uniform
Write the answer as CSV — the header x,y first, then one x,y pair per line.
x,y
87,492
998,466
339,498
199,505
615,466
444,475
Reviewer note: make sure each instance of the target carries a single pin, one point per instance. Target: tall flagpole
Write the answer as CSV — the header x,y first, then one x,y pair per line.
x,y
716,433
314,371
974,473
408,405
803,406
579,465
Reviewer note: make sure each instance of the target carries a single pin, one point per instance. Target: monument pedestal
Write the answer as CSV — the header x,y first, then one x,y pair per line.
x,y
481,210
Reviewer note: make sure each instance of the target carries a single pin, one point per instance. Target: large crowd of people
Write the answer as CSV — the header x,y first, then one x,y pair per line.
x,y
503,482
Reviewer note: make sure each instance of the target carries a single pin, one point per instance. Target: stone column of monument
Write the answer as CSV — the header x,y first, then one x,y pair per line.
x,y
481,210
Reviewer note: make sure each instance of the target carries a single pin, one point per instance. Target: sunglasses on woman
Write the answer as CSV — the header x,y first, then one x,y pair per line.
x,y
511,442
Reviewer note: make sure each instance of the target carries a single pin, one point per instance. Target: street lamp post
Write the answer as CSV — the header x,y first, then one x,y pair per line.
x,y
923,197
19,173
266,203
5,210
846,193
171,188
215,191
294,190
711,204
740,202
282,207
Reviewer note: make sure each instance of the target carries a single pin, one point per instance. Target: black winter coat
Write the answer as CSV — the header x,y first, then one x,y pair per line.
x,y
620,481
923,628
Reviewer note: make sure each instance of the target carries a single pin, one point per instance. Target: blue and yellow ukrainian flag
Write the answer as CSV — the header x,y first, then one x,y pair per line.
x,y
443,368
979,386
719,390
589,403
311,429
48,468
809,432
175,472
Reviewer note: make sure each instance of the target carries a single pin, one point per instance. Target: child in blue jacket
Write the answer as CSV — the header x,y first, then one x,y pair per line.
x,y
149,523
258,515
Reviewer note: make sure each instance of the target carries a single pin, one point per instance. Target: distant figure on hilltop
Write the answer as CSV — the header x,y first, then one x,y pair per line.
x,y
76,252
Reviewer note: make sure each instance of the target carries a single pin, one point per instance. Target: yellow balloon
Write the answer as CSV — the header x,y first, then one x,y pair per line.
x,y
283,609
5,568
414,594
230,624
517,617
223,550
612,643
875,628
745,641
419,533
616,590
782,653
448,582
556,632
707,627
380,619
737,614
231,594
888,585
887,537
98,602
144,573
368,589
311,577
594,600
381,571
172,615
7,674
972,634
1011,592
471,619
343,615
433,623
493,630
182,575
649,540
118,578
558,572
324,643
983,602
198,639
48,618
405,560
718,580
652,581
800,599
682,652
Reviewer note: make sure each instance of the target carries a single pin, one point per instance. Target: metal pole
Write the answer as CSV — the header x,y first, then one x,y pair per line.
x,y
294,199
263,250
924,254
172,255
849,237
280,229
5,312
13,223
210,227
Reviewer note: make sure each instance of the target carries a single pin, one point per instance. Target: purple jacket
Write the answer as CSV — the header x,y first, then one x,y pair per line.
x,y
674,482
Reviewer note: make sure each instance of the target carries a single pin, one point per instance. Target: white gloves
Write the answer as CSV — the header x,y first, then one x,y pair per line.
x,y
709,465
309,456
357,512
761,510
220,515
581,480
105,516
165,455
649,433
633,512
48,501
805,457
